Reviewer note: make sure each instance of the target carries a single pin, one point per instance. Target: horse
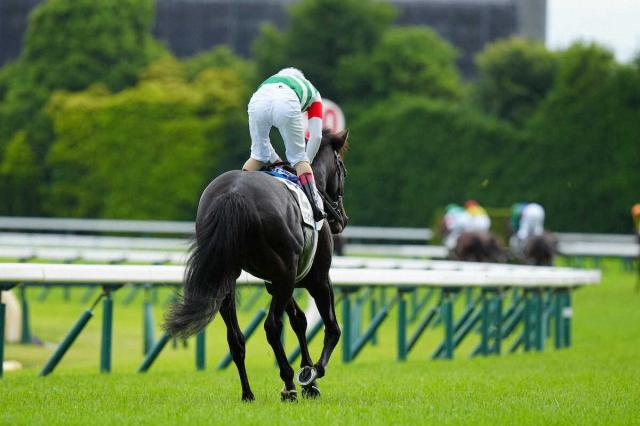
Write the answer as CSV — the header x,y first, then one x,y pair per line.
x,y
249,221
540,250
477,246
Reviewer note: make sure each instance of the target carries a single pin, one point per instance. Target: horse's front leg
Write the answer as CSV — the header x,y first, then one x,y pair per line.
x,y
236,341
298,322
273,327
323,295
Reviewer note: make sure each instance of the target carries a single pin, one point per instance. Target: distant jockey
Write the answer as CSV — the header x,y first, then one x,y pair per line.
x,y
531,221
456,220
280,102
516,215
635,214
527,220
479,220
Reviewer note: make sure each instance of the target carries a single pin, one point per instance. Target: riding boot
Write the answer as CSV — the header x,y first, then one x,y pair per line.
x,y
309,188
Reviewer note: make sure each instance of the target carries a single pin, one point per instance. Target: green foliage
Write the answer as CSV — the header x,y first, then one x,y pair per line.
x,y
320,33
18,177
146,152
587,130
514,75
410,156
71,44
219,57
411,60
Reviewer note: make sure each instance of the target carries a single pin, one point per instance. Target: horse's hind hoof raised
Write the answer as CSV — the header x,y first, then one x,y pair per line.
x,y
289,395
310,392
306,375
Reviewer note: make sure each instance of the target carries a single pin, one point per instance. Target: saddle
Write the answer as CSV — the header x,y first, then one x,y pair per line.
x,y
287,176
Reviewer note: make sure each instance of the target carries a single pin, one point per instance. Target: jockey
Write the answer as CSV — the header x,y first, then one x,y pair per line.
x,y
516,215
635,214
456,220
479,219
279,102
531,222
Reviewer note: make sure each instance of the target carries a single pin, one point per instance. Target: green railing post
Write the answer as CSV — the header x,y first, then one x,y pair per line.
x,y
402,326
447,318
558,322
148,327
567,313
147,322
528,308
346,326
200,350
2,314
497,344
414,305
373,308
67,342
44,293
107,331
484,344
154,352
66,293
25,336
539,321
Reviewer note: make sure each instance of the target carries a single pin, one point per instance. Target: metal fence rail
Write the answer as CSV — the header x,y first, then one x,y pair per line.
x,y
540,290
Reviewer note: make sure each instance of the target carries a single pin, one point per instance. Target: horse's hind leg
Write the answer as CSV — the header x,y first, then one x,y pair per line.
x,y
236,341
299,324
273,327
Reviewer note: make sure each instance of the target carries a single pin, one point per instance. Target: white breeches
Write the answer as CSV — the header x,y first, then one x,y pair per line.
x,y
532,221
276,105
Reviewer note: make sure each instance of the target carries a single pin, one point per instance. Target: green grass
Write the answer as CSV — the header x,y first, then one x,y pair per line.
x,y
596,381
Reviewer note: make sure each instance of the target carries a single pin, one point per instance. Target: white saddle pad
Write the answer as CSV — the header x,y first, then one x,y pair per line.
x,y
309,229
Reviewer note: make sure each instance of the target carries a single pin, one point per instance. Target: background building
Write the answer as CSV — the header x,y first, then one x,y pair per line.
x,y
190,26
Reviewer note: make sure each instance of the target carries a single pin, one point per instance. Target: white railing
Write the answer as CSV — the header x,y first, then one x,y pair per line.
x,y
490,276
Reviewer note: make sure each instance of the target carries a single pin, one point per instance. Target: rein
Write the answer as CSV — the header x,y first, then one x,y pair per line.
x,y
335,208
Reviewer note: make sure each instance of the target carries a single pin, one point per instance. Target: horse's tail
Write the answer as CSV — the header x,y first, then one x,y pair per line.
x,y
213,266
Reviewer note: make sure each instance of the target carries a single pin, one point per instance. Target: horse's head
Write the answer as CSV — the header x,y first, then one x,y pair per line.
x,y
330,173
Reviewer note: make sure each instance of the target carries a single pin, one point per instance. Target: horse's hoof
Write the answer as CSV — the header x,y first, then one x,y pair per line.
x,y
289,395
248,397
306,375
310,392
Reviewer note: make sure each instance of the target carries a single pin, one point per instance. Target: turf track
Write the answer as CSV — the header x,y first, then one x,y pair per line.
x,y
596,381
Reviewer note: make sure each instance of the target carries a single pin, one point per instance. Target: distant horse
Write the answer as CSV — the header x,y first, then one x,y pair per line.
x,y
540,249
476,246
249,220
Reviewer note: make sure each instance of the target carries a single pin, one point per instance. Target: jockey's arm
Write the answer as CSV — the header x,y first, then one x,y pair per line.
x,y
314,113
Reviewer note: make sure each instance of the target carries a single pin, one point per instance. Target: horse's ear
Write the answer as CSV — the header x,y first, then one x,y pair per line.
x,y
340,139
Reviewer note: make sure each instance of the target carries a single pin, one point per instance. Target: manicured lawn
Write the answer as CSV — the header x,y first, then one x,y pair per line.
x,y
597,380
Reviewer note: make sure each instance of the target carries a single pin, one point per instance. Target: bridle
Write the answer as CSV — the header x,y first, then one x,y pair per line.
x,y
335,208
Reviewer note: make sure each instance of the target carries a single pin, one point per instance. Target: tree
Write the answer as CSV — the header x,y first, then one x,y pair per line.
x,y
411,60
69,45
321,32
514,75
587,154
18,178
145,152
412,155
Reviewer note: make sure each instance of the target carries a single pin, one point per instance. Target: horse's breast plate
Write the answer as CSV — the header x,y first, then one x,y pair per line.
x,y
308,228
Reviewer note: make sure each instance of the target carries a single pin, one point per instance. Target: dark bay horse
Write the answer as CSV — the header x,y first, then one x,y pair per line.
x,y
476,246
540,250
249,221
